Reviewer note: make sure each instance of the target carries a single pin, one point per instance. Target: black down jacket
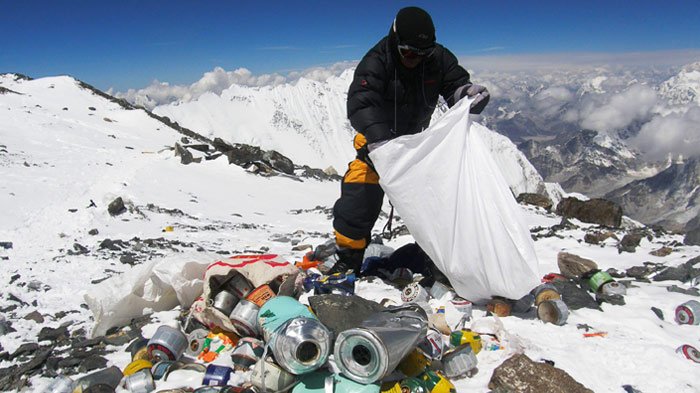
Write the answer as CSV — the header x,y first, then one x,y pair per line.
x,y
386,99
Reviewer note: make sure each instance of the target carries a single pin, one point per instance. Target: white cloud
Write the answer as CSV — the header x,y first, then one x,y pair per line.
x,y
551,100
674,134
620,110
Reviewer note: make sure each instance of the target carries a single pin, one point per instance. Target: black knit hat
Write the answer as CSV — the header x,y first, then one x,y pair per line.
x,y
414,27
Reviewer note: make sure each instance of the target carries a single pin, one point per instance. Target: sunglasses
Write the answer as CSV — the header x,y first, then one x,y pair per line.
x,y
411,52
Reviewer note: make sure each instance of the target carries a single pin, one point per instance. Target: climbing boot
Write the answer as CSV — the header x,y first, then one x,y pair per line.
x,y
348,259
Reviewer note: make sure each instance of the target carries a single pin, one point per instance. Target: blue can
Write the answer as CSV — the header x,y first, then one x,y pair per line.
x,y
217,375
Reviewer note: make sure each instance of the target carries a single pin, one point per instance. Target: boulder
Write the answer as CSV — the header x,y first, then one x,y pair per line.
x,y
521,374
185,155
692,238
629,242
595,211
599,237
573,266
535,200
278,162
116,207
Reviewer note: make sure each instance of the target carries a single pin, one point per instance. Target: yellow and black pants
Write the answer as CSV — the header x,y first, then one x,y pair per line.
x,y
360,202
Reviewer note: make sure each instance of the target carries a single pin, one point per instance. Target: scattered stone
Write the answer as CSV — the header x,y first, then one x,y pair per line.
x,y
629,242
574,296
113,245
6,245
302,247
34,316
122,337
573,266
330,171
339,312
87,342
92,362
25,349
14,298
92,108
128,259
93,232
79,249
614,273
680,273
16,378
662,252
116,207
535,200
50,334
658,313
185,155
280,239
5,326
690,291
599,237
630,389
69,362
73,210
520,374
594,211
14,278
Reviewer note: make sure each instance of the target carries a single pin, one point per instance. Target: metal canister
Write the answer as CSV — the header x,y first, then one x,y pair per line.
x,y
433,345
167,343
244,318
412,385
553,311
613,288
414,293
268,376
110,376
139,382
225,301
180,365
688,313
195,342
596,281
689,352
438,290
247,352
260,295
60,384
545,292
413,364
301,345
137,365
499,306
216,375
138,349
437,383
240,286
466,336
160,369
459,362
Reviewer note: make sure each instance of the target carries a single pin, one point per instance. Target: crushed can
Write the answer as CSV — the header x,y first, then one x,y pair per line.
x,y
216,375
459,362
436,383
413,364
268,376
689,352
613,288
432,346
136,365
412,385
247,352
414,293
225,301
688,313
466,336
260,295
553,311
139,382
244,318
545,292
167,343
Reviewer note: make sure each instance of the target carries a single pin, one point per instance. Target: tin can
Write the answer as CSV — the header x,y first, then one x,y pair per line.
x,y
167,343
60,384
244,318
545,292
438,290
136,365
553,311
462,305
225,301
466,336
195,342
247,352
596,281
613,288
499,306
270,377
433,345
413,364
436,383
459,362
139,382
240,286
689,352
160,369
415,293
260,295
412,385
301,345
216,375
688,313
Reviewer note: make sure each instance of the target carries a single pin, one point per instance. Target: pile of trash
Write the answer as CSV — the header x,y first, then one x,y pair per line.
x,y
262,324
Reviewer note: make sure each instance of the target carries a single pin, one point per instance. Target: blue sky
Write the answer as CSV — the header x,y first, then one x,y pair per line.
x,y
127,43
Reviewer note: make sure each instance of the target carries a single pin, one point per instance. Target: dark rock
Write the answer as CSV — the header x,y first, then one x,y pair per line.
x,y
279,162
185,155
87,343
658,313
680,273
617,300
116,207
4,356
52,363
574,296
222,146
629,242
535,200
689,291
50,334
121,337
594,211
339,313
69,362
14,278
92,362
34,316
630,389
79,249
520,374
661,252
128,258
6,245
573,266
92,108
598,237
614,273
692,238
113,245
110,376
93,232
14,298
25,349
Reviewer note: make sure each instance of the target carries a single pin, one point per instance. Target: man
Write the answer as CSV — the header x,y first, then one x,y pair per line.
x,y
394,92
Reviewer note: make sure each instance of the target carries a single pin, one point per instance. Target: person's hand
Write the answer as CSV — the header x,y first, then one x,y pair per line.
x,y
481,97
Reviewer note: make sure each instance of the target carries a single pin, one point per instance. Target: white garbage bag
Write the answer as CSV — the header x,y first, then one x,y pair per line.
x,y
454,200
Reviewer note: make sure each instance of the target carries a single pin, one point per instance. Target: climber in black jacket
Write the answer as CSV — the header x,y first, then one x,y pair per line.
x,y
394,92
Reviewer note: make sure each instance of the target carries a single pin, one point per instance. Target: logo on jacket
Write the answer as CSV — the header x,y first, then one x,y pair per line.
x,y
363,83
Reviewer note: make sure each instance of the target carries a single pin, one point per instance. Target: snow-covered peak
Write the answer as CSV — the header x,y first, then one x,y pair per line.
x,y
683,88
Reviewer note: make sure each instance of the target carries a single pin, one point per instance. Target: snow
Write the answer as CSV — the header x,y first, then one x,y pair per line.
x,y
75,156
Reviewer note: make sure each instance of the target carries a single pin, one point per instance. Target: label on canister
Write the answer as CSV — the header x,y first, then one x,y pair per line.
x,y
598,279
466,336
414,293
436,383
432,346
688,313
225,301
413,364
261,295
244,318
689,352
462,305
247,352
139,382
216,375
167,343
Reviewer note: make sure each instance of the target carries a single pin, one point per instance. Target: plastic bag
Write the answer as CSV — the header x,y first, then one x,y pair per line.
x,y
457,205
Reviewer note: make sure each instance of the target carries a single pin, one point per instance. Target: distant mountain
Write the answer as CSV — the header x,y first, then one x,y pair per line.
x,y
683,88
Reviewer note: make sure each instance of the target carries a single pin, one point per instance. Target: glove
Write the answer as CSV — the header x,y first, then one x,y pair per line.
x,y
481,98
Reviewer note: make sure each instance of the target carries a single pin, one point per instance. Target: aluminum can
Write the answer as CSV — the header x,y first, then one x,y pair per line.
x,y
689,352
301,345
260,295
613,288
414,293
195,342
247,352
225,301
244,318
596,281
160,369
268,376
216,375
437,383
136,365
139,382
466,336
433,345
167,343
545,292
459,362
688,313
553,311
240,286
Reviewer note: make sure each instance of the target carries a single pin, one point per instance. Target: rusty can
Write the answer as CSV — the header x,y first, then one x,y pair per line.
x,y
689,352
499,306
545,292
459,362
167,343
688,313
553,311
261,295
414,293
466,336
